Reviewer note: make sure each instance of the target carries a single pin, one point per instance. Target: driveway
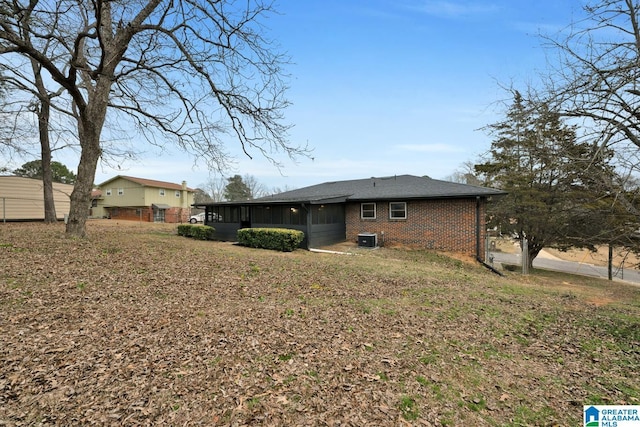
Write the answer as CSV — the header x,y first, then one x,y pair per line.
x,y
548,262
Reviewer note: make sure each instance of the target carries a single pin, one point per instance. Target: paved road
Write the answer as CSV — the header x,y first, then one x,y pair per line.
x,y
627,274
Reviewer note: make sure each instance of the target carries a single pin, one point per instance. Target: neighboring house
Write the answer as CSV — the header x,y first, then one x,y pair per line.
x,y
397,210
22,199
130,198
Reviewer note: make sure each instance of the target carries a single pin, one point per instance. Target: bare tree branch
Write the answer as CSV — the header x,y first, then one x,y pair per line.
x,y
189,73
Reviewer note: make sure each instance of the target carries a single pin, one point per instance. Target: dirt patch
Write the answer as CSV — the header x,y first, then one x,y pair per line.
x,y
137,326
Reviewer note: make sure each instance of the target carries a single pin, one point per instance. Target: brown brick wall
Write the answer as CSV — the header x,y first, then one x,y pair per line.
x,y
446,225
177,215
171,215
130,214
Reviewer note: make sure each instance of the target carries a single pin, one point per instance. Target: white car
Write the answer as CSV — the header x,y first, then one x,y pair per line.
x,y
197,218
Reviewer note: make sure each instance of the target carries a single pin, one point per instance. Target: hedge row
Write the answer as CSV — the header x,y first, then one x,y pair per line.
x,y
280,239
200,232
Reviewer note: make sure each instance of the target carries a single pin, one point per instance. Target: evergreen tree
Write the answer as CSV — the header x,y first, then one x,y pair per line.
x,y
556,196
59,172
201,196
237,190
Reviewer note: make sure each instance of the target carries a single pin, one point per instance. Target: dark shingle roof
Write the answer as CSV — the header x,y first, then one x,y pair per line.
x,y
401,187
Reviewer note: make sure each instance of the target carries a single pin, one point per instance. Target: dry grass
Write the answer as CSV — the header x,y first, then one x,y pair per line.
x,y
137,326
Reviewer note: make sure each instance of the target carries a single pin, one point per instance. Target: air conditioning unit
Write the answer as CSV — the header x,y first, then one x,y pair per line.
x,y
368,240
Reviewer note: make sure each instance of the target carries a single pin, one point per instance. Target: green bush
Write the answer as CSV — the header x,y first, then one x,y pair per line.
x,y
280,239
184,229
200,232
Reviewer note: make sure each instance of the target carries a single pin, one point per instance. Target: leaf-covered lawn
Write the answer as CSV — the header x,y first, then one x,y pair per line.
x,y
138,326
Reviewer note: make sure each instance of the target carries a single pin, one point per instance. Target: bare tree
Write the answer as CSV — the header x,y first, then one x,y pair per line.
x,y
27,81
201,196
277,190
183,72
597,78
597,74
465,174
597,84
257,189
215,188
13,133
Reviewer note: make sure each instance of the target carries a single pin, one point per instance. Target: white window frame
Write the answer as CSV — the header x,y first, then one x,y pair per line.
x,y
108,192
162,192
178,193
120,191
392,210
375,210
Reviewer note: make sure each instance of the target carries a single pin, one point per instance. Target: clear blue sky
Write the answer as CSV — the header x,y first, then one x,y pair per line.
x,y
384,87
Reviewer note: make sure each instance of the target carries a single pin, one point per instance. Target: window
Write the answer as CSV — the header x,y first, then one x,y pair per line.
x,y
293,216
327,214
177,194
398,210
120,191
162,192
368,211
262,215
226,214
108,191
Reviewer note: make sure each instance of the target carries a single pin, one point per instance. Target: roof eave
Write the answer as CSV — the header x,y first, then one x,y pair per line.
x,y
434,197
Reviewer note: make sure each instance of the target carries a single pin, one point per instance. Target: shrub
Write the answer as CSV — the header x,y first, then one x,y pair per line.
x,y
200,232
184,229
281,239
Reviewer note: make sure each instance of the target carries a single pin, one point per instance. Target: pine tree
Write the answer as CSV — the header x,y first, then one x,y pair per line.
x,y
554,183
237,190
59,172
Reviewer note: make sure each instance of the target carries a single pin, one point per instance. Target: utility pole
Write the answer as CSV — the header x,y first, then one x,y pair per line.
x,y
525,256
610,263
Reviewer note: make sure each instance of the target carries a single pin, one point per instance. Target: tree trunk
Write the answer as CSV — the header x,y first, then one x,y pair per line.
x,y
89,129
44,114
534,250
610,263
81,194
45,153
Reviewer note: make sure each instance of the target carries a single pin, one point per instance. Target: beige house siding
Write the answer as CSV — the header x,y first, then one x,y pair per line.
x,y
169,198
133,194
133,198
97,210
22,199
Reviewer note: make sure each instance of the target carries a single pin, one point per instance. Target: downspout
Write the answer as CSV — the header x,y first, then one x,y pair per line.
x,y
184,209
479,240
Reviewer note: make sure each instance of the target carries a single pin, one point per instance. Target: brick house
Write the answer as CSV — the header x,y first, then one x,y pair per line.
x,y
407,210
139,199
